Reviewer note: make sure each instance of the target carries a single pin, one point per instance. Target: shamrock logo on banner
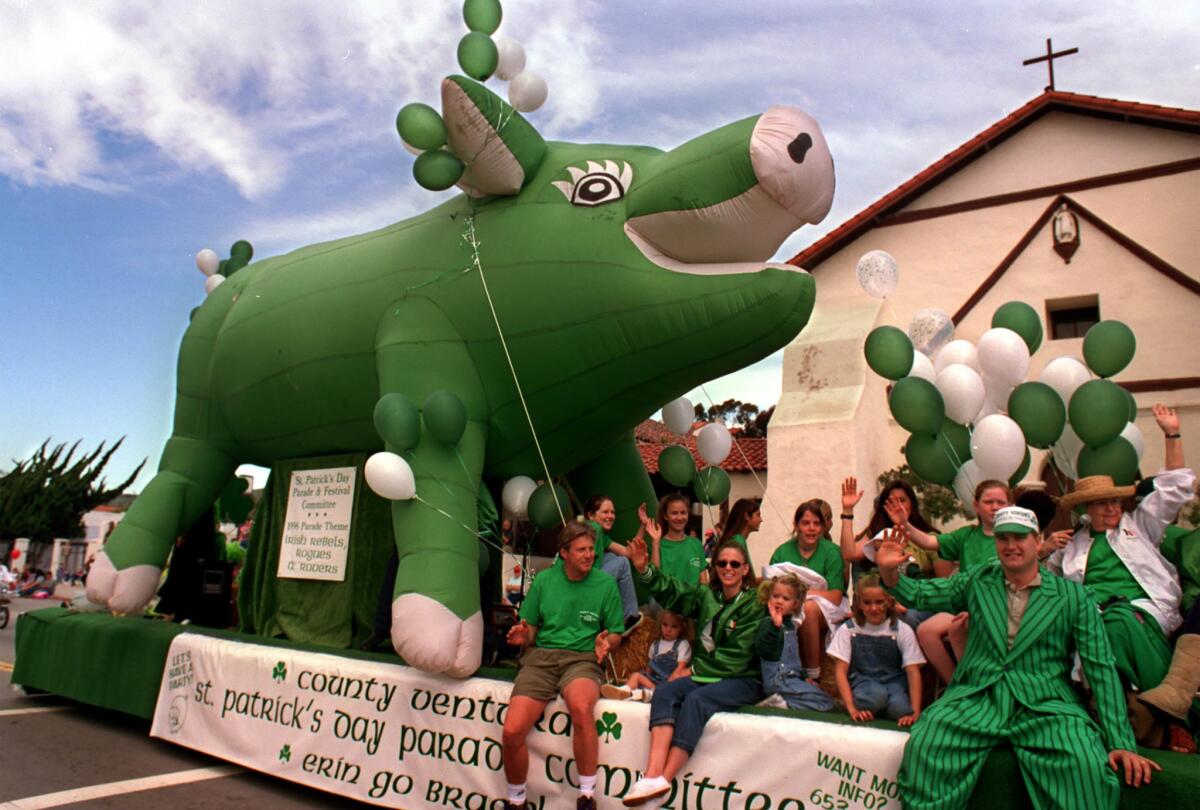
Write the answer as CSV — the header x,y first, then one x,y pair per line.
x,y
608,725
285,753
280,672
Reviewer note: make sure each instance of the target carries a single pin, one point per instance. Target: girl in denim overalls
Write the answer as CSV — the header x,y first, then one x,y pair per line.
x,y
878,667
669,658
779,647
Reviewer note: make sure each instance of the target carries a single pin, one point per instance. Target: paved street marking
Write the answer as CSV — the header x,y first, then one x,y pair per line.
x,y
35,710
85,794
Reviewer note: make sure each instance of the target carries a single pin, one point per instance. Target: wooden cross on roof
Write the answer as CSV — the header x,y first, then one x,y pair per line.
x,y
1049,60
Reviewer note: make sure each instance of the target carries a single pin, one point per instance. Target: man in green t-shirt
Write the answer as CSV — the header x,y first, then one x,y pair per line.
x,y
570,621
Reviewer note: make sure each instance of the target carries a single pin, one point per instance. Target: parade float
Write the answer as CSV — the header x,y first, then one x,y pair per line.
x,y
499,348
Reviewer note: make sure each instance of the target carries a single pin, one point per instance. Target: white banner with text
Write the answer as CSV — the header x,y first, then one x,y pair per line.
x,y
394,736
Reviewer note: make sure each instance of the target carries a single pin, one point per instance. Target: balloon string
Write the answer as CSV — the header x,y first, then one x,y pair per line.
x,y
891,311
478,265
750,467
482,536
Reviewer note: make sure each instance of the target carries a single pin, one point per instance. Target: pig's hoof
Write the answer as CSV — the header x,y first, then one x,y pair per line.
x,y
126,591
429,636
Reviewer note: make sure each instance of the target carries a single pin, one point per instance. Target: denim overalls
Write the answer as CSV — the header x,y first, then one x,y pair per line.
x,y
662,665
877,677
786,676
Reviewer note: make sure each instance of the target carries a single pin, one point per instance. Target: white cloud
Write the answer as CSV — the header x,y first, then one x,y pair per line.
x,y
234,87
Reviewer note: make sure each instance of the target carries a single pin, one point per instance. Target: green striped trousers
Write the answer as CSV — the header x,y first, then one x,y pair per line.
x,y
1062,758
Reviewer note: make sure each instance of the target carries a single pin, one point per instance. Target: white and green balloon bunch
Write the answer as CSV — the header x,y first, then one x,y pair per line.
x,y
973,415
216,269
481,56
713,442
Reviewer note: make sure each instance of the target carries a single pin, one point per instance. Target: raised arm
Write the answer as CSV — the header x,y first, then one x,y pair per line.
x,y
851,495
941,595
1168,423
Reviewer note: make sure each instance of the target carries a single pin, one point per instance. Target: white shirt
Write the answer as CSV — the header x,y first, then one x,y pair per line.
x,y
906,640
1135,541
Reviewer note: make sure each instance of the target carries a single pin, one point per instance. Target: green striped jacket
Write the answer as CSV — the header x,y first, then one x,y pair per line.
x,y
1060,618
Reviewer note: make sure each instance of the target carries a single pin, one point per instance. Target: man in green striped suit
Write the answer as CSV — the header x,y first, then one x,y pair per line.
x,y
1013,683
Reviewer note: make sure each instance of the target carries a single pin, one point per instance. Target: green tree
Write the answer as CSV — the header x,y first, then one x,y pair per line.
x,y
45,496
735,413
938,504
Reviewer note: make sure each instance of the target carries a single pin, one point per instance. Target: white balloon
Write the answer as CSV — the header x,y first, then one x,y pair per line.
x,y
212,282
679,415
965,481
1133,434
962,391
389,476
997,392
208,261
527,91
1065,452
878,273
957,351
997,446
923,367
1064,375
515,495
714,443
929,330
512,58
1003,355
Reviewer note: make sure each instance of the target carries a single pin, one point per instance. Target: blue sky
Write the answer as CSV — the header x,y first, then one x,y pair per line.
x,y
134,133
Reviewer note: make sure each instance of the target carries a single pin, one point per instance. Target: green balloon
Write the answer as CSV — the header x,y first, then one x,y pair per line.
x,y
437,170
241,249
1019,475
421,126
233,264
542,511
445,416
711,486
1132,404
1117,459
477,55
1022,319
1040,412
1108,347
917,406
677,465
959,438
931,458
889,352
482,15
1098,412
397,421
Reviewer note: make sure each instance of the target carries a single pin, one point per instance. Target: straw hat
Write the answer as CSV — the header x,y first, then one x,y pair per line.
x,y
1094,488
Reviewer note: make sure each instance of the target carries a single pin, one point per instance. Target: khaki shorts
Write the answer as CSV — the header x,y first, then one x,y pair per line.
x,y
544,673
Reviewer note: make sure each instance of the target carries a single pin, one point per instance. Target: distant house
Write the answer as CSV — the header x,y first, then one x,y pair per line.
x,y
1083,207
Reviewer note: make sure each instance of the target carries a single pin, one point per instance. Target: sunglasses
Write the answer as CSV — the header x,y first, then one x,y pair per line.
x,y
734,564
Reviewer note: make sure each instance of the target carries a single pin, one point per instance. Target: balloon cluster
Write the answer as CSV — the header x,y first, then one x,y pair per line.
x,y
480,56
972,415
713,442
216,269
398,423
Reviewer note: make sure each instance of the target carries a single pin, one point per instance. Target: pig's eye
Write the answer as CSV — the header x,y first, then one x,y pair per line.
x,y
597,184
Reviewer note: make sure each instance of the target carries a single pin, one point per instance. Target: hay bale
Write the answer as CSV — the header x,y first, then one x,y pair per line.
x,y
634,652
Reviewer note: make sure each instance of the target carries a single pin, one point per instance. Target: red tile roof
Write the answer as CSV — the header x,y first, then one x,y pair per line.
x,y
905,193
652,436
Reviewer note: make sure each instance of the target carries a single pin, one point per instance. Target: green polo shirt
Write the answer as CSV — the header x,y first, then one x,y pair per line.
x,y
682,559
1106,576
826,560
567,614
603,541
968,546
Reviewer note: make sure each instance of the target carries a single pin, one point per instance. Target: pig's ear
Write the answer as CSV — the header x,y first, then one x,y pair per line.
x,y
501,150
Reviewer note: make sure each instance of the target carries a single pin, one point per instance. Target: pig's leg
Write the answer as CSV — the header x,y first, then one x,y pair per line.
x,y
620,474
436,621
126,571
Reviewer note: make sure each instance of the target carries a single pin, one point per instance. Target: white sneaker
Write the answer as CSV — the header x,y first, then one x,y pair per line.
x,y
646,790
608,690
774,701
642,695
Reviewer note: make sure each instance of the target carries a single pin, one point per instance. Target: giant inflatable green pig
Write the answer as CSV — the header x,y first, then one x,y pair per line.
x,y
621,276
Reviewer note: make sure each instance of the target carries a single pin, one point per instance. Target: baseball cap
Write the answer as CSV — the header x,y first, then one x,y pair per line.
x,y
1015,520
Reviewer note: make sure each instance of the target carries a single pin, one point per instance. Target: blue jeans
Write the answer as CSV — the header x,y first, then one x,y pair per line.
x,y
886,700
687,705
618,568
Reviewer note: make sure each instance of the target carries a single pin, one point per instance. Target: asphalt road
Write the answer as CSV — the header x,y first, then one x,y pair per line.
x,y
57,753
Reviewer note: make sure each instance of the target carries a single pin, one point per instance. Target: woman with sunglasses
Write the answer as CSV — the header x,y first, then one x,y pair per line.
x,y
725,666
